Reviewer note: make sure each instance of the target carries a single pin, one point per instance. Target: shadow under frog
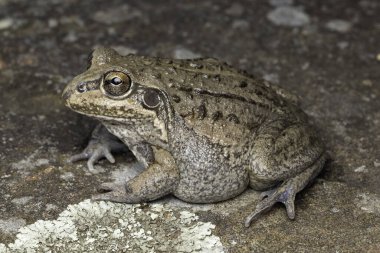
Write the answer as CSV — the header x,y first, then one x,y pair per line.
x,y
203,130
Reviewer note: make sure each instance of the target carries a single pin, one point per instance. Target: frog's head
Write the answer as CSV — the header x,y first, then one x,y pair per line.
x,y
114,88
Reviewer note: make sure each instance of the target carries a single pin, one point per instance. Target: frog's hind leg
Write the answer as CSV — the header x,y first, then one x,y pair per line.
x,y
286,191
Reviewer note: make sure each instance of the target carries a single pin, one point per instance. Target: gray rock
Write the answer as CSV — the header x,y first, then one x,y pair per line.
x,y
369,203
22,201
71,37
281,2
67,176
338,25
240,24
123,50
343,44
116,15
235,10
6,23
271,77
288,16
12,225
52,23
184,53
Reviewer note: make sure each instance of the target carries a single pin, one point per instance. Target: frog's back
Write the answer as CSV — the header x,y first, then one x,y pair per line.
x,y
219,101
219,77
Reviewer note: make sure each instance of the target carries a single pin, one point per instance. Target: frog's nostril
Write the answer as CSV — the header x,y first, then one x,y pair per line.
x,y
81,87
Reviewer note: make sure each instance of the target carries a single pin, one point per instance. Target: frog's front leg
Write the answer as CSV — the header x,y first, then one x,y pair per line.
x,y
286,157
157,180
101,144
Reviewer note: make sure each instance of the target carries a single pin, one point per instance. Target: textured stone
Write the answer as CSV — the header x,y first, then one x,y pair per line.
x,y
338,25
184,53
11,226
281,2
116,15
6,23
288,16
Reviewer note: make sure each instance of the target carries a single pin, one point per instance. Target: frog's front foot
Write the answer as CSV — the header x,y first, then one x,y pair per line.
x,y
96,150
285,193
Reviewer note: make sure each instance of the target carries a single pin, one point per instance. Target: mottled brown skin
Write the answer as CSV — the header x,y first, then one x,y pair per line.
x,y
203,130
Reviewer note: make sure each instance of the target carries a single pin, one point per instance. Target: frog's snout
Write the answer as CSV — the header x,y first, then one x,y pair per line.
x,y
66,94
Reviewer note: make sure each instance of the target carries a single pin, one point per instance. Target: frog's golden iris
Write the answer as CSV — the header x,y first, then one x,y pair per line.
x,y
116,83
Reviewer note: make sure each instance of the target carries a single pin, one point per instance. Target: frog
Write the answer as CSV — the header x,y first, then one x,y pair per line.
x,y
202,130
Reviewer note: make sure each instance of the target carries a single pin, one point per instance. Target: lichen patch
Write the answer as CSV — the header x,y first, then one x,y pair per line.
x,y
112,227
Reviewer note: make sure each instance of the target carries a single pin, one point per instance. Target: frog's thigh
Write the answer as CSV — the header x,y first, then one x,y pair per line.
x,y
282,150
159,179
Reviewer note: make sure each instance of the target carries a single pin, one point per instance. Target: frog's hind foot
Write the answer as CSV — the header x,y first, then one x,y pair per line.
x,y
286,192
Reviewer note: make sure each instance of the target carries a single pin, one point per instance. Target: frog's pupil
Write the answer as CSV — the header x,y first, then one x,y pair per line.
x,y
116,80
116,84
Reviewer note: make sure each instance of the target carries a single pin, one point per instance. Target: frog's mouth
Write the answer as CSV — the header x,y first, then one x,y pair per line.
x,y
66,94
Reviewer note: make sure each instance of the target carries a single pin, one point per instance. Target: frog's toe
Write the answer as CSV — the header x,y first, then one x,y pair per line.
x,y
94,152
78,157
289,204
284,193
266,194
107,187
109,156
261,207
111,192
96,155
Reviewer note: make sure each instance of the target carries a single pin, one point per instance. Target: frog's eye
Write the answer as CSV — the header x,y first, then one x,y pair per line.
x,y
151,98
116,84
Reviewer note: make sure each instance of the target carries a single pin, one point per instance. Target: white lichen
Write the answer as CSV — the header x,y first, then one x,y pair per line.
x,y
111,227
187,217
198,238
3,248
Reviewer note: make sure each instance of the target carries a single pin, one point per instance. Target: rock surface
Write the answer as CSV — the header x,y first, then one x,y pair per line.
x,y
331,60
288,16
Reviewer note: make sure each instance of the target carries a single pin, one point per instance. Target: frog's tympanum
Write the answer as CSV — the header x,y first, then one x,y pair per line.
x,y
203,130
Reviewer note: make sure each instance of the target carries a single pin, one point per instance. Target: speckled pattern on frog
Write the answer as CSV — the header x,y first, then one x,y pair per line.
x,y
203,130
